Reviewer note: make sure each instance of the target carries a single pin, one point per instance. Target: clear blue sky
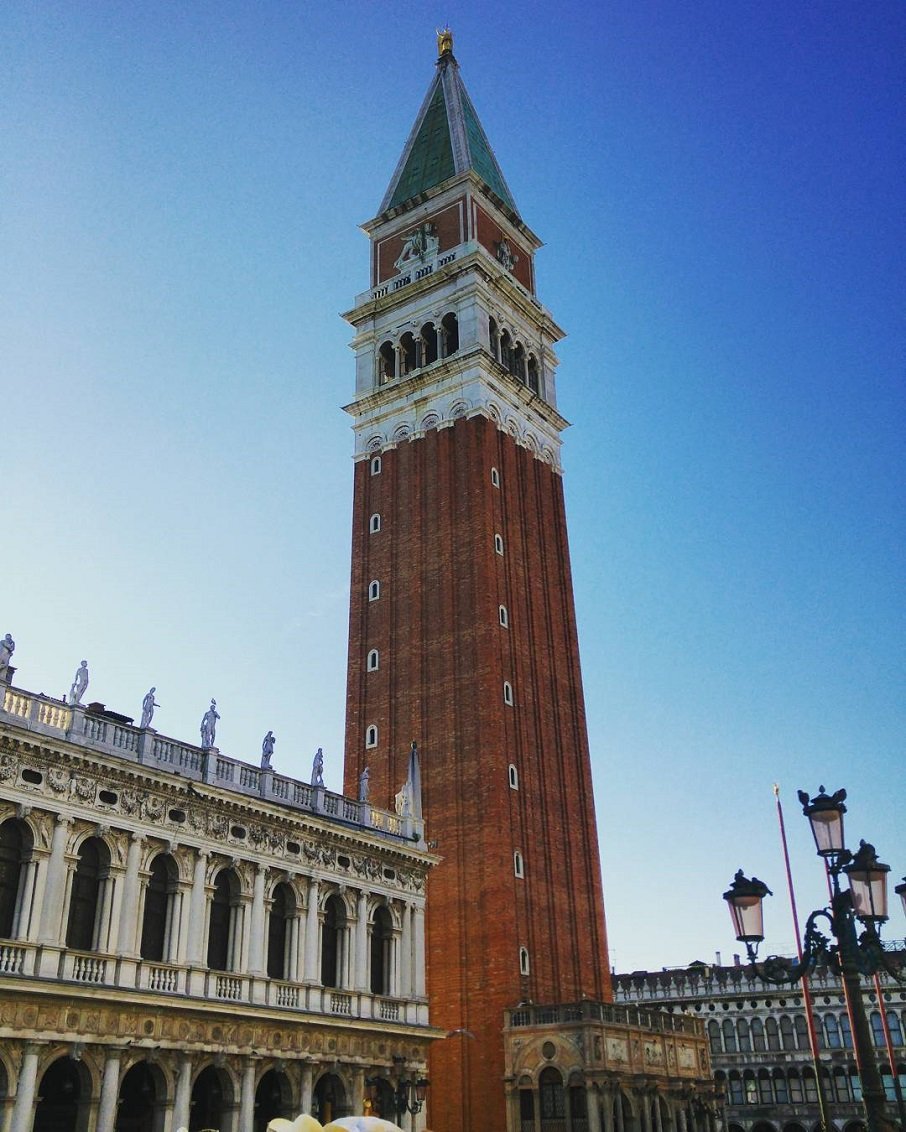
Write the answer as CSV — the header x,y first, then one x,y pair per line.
x,y
720,186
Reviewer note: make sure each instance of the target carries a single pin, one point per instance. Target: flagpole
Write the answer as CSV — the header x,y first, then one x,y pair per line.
x,y
806,990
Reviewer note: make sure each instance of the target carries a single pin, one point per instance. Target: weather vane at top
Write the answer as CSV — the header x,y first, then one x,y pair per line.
x,y
444,41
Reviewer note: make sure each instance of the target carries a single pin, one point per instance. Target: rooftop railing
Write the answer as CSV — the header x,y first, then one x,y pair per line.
x,y
97,730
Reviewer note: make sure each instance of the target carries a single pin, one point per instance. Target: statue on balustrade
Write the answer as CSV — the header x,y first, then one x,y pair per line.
x,y
363,785
79,683
267,750
148,706
7,648
317,768
209,725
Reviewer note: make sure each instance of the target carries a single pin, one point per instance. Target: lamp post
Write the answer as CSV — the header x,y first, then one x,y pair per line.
x,y
852,955
409,1093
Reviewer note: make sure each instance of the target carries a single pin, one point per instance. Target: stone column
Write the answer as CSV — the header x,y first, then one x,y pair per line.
x,y
606,1102
658,1115
256,929
681,1119
110,1091
358,1091
195,937
23,1109
361,982
183,1098
593,1105
618,1110
247,1096
130,932
55,887
406,952
311,972
306,1088
418,975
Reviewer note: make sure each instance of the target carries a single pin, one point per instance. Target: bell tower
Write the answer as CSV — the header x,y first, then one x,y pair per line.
x,y
462,623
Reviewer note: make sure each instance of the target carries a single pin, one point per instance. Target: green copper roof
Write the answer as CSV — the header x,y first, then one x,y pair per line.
x,y
447,139
431,157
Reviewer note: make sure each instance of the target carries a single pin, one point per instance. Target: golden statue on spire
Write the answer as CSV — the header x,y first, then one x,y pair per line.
x,y
444,42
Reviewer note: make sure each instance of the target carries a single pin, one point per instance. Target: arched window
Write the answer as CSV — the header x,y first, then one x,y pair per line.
x,y
333,938
842,1091
15,851
408,353
832,1032
742,1035
157,915
508,693
429,343
386,363
523,961
758,1035
729,1036
801,1027
60,1095
780,1090
222,923
714,1036
381,940
371,735
279,924
748,1084
504,617
737,1096
896,1032
877,1029
495,478
795,1083
374,524
449,334
845,1032
86,904
765,1092
519,362
498,544
514,777
374,590
811,1085
552,1098
786,1032
376,465
374,660
772,1033
506,350
518,867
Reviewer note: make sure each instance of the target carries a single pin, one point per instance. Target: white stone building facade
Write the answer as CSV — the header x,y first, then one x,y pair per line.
x,y
190,941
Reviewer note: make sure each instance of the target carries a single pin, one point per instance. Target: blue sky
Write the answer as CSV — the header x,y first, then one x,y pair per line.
x,y
720,190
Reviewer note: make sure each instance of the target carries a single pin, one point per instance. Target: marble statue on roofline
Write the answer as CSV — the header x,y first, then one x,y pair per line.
x,y
148,706
267,750
317,768
7,648
209,725
363,785
79,683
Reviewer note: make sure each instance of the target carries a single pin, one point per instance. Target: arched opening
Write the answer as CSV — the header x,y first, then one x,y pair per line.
x,y
329,1100
273,1098
157,916
758,1035
795,1086
373,661
781,1092
279,924
737,1096
506,350
578,1105
332,939
386,363
714,1036
222,921
494,340
408,353
15,851
374,590
742,1035
533,381
449,334
62,1099
623,1115
764,1126
212,1095
141,1102
729,1036
551,1099
749,1086
765,1092
842,1091
772,1033
381,937
382,1099
85,903
519,362
429,343
793,1126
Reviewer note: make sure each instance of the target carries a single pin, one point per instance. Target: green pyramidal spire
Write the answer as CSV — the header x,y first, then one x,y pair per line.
x,y
446,140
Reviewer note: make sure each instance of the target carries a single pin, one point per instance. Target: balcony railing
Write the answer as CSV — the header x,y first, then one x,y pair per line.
x,y
608,1012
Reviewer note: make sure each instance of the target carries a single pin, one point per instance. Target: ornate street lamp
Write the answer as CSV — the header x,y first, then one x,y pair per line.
x,y
851,956
409,1093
